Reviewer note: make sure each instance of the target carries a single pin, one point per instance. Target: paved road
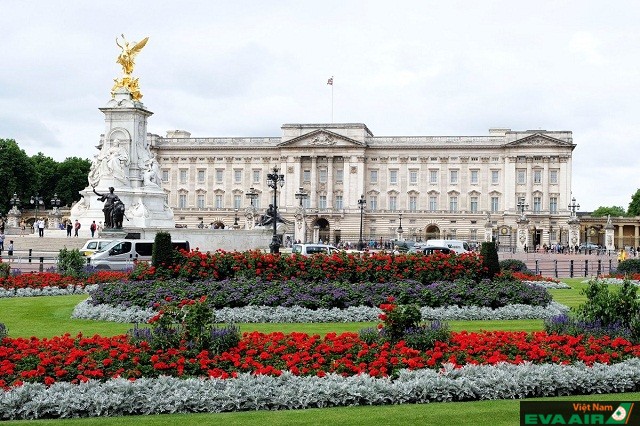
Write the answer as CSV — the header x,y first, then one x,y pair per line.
x,y
565,265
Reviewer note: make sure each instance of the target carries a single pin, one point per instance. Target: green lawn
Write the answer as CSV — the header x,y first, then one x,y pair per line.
x,y
50,316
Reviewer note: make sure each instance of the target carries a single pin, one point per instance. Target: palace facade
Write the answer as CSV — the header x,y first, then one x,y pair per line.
x,y
414,187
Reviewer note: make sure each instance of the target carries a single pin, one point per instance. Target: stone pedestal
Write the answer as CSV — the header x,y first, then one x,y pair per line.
x,y
574,232
14,216
523,234
488,232
300,230
126,163
609,240
54,219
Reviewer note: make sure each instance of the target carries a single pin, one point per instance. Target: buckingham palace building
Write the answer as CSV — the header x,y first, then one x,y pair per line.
x,y
339,182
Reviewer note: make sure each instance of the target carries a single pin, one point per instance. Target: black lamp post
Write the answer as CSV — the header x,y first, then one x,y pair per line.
x,y
15,201
235,220
361,203
252,194
573,207
37,200
55,202
301,195
400,230
273,180
521,207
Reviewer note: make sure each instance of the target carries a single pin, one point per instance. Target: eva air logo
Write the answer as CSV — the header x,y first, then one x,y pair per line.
x,y
621,414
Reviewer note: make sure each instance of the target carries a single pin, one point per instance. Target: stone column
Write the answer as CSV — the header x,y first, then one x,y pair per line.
x,y
313,196
54,218
609,237
574,232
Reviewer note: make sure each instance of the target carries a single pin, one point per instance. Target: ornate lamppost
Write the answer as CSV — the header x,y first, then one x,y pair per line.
x,y
15,202
55,214
235,220
300,215
361,204
36,200
573,207
273,180
400,230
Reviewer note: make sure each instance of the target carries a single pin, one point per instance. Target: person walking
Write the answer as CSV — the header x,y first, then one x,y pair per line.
x,y
69,227
93,228
76,227
622,256
10,250
41,228
1,241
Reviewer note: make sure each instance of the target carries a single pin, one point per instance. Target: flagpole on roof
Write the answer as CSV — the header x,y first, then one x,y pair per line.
x,y
330,83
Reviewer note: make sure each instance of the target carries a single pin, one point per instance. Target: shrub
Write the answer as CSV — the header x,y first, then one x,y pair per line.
x,y
490,261
162,254
567,325
71,263
5,269
189,323
514,265
3,331
396,319
629,267
425,336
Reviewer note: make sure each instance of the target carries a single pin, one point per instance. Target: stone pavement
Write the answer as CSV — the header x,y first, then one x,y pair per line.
x,y
560,265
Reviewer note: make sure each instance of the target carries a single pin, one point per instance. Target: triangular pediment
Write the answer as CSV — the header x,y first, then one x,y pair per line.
x,y
321,138
539,139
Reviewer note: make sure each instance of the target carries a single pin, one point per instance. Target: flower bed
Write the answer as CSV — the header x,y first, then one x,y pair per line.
x,y
76,360
41,280
341,266
326,294
297,314
119,397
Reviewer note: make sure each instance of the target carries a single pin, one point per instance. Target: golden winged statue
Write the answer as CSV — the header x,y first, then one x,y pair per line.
x,y
127,60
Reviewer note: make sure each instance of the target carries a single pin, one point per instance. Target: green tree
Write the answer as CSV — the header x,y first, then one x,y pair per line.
x,y
46,176
490,261
634,205
72,178
17,174
614,211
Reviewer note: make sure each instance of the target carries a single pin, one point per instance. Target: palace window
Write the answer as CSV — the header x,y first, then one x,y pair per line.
x,y
413,203
433,203
165,175
521,176
183,175
373,176
453,177
338,202
495,204
237,201
256,176
553,205
182,201
322,175
433,176
537,176
322,202
306,175
473,204
413,177
393,203
453,203
237,176
200,201
537,204
393,177
553,176
373,203
474,177
201,175
219,203
219,175
339,175
495,177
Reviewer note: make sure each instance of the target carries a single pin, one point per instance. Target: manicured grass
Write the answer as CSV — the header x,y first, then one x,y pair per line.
x,y
51,316
472,413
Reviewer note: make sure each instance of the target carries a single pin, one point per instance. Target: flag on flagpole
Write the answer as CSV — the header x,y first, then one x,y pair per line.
x,y
330,81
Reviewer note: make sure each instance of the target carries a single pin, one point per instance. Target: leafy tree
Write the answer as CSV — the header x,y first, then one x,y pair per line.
x,y
46,176
614,211
634,205
490,261
17,174
72,178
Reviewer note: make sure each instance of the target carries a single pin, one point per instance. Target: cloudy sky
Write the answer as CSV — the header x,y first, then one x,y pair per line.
x,y
403,68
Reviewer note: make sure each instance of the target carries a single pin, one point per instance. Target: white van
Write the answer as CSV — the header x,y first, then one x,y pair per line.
x,y
92,246
309,249
456,245
119,255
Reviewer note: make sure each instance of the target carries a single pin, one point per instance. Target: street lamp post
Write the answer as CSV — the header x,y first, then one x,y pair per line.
x,y
252,194
15,202
361,204
573,207
400,230
55,202
235,220
522,207
273,180
36,200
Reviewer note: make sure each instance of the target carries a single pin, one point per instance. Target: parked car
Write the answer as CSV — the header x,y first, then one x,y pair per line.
x,y
92,246
434,249
588,246
456,245
309,249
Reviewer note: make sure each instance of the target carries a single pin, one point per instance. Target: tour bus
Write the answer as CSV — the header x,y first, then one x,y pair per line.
x,y
456,245
119,255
